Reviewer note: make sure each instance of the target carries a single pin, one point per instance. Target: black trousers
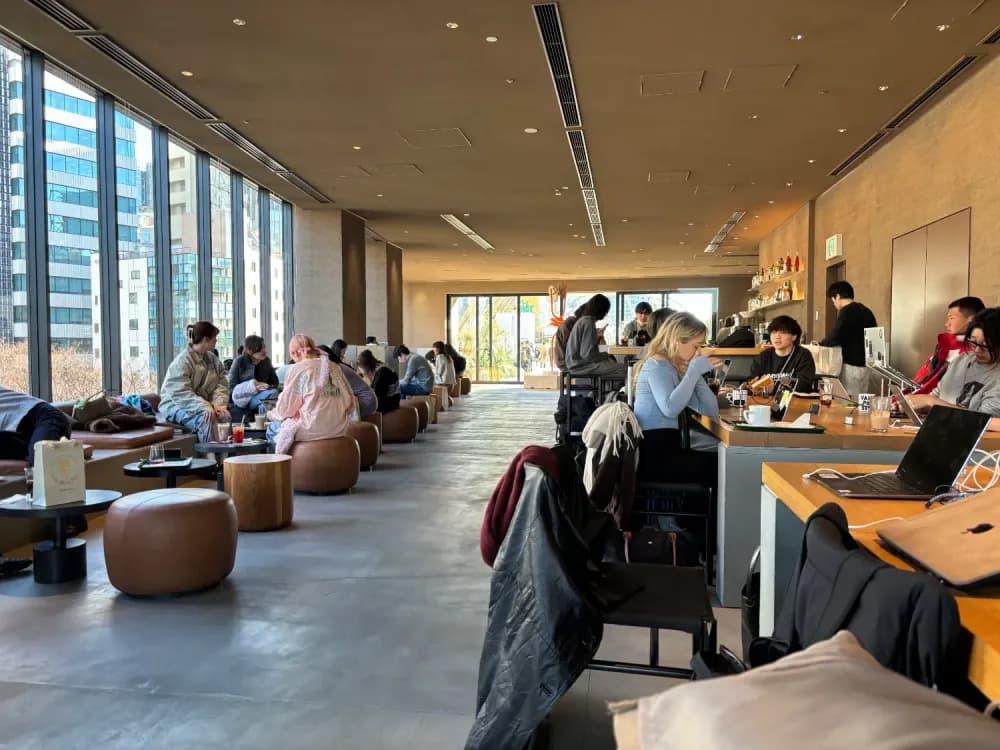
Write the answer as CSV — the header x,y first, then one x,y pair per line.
x,y
662,459
43,422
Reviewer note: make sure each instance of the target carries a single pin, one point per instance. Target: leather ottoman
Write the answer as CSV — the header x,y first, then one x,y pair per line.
x,y
260,485
326,466
376,419
401,425
368,442
170,541
466,386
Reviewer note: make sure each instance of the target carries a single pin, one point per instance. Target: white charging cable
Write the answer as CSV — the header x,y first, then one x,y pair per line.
x,y
874,523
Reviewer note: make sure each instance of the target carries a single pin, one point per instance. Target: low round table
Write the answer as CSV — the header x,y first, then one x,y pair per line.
x,y
169,473
61,559
224,450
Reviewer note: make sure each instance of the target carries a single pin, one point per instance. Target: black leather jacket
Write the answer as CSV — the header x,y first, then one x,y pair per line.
x,y
544,624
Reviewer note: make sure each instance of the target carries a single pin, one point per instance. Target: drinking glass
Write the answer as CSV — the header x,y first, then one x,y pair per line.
x,y
238,433
880,416
156,454
222,432
825,393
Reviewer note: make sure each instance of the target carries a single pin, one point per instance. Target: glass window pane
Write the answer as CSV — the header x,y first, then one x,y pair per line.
x,y
536,334
251,261
483,359
222,257
136,256
71,186
13,266
462,332
701,304
277,279
628,301
183,241
504,350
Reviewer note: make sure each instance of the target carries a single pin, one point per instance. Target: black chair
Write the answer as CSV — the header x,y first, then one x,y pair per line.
x,y
575,388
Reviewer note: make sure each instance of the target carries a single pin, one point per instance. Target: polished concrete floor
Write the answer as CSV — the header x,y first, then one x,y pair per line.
x,y
360,626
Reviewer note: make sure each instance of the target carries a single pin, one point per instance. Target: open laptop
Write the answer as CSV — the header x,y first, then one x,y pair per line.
x,y
930,465
958,542
908,410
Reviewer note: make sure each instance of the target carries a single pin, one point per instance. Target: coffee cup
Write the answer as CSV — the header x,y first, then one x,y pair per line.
x,y
758,415
258,421
865,402
737,397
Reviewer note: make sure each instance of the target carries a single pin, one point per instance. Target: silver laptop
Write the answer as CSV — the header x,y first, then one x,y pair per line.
x,y
908,410
875,353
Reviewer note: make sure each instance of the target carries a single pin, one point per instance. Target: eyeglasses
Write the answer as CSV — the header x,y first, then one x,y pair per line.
x,y
977,344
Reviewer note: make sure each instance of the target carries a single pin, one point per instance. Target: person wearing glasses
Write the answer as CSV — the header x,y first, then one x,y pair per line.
x,y
973,381
950,344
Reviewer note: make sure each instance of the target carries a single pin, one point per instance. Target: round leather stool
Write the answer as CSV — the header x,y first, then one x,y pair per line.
x,y
170,541
368,442
423,411
260,485
401,425
375,418
326,466
441,391
456,389
466,386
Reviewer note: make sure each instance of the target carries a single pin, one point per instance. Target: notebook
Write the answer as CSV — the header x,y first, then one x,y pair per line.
x,y
959,543
930,465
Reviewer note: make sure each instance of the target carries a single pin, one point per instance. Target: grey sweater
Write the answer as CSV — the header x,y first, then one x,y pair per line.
x,y
581,348
971,385
418,372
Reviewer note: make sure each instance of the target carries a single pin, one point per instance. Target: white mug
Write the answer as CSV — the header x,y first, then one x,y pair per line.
x,y
758,415
737,397
865,402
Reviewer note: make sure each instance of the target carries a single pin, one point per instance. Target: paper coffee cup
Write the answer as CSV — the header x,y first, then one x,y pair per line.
x,y
258,422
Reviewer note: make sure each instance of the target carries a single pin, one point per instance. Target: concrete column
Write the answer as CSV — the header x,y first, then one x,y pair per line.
x,y
394,293
353,278
376,309
319,278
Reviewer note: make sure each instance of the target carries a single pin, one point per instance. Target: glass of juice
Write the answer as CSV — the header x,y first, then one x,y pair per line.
x,y
238,432
880,418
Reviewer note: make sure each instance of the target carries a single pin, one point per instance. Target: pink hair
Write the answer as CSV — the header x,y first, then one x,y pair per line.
x,y
304,345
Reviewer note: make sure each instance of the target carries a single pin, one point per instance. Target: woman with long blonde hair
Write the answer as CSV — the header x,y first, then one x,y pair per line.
x,y
317,401
668,380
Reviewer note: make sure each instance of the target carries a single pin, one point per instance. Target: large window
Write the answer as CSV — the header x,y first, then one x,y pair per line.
x,y
13,266
222,256
702,303
251,262
136,255
183,241
70,142
277,280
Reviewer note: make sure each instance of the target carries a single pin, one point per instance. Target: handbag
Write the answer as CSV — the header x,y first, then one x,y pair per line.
x,y
829,359
91,408
59,472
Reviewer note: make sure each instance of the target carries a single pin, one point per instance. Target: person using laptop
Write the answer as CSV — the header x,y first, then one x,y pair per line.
x,y
785,359
849,334
950,344
973,381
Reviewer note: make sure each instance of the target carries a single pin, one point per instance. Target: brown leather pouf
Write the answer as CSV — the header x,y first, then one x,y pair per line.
x,y
466,386
456,389
423,412
441,391
376,419
368,442
326,466
170,541
260,485
432,406
401,425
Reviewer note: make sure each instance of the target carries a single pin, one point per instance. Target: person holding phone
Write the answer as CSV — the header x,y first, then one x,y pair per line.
x,y
670,379
786,359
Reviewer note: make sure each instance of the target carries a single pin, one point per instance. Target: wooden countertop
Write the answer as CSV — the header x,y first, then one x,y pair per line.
x,y
980,611
709,351
837,436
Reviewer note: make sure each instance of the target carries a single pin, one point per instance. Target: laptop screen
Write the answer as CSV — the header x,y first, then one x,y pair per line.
x,y
941,448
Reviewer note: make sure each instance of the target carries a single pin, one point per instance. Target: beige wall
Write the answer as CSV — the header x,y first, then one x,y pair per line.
x,y
945,161
317,248
376,298
424,305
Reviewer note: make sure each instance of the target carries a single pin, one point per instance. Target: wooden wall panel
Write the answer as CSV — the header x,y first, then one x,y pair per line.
x,y
947,270
909,263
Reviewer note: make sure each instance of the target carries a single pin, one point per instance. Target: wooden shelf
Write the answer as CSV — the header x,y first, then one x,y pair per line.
x,y
776,281
772,306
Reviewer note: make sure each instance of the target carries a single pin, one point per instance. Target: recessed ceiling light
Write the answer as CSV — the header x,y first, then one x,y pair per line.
x,y
406,231
729,164
451,25
558,194
531,131
756,216
576,235
798,37
492,39
454,244
943,26
564,187
753,117
246,122
690,223
788,184
378,195
884,87
466,214
187,73
841,130
812,161
571,225
624,221
683,242
771,202
510,81
356,148
583,252
239,22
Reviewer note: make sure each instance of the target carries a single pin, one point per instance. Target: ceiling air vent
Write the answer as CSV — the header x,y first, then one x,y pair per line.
x,y
931,91
865,148
246,146
598,231
578,145
293,179
147,75
62,15
724,231
551,31
590,200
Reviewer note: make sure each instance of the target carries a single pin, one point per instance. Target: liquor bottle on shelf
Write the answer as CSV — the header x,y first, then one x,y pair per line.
x,y
798,264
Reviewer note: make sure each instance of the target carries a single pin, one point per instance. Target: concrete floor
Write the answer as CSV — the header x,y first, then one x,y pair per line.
x,y
358,627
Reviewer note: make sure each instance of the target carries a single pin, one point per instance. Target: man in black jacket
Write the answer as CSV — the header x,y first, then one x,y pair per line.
x,y
786,358
849,335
